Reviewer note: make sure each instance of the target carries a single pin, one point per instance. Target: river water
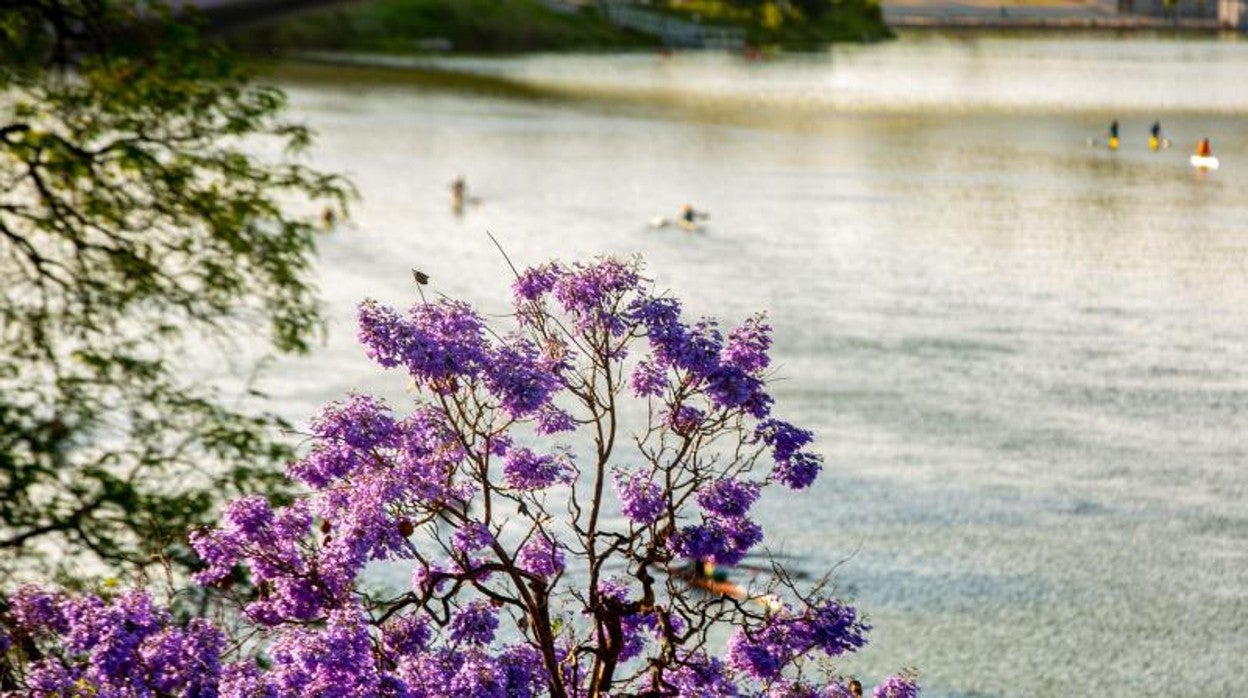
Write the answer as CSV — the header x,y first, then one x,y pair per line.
x,y
1026,357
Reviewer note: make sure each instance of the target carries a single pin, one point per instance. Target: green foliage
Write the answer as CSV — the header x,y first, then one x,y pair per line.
x,y
140,238
469,25
791,24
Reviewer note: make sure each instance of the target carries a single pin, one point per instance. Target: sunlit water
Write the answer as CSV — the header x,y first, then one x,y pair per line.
x,y
1025,357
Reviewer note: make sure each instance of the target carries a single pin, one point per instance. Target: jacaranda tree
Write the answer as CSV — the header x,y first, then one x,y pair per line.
x,y
148,221
547,487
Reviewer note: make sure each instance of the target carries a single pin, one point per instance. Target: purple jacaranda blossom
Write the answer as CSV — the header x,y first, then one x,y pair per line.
x,y
728,497
249,516
472,671
684,420
475,623
836,689
378,486
699,354
761,654
479,675
48,678
730,388
362,422
637,627
428,674
699,676
784,438
249,526
834,628
799,470
552,420
591,293
124,646
33,609
335,661
641,499
406,635
472,536
429,578
541,556
536,282
183,661
896,687
526,470
428,453
661,319
828,627
747,346
295,587
245,680
648,380
517,377
725,540
327,462
440,344
383,333
526,676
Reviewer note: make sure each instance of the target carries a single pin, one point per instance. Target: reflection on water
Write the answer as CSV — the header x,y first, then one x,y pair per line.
x,y
927,70
1025,357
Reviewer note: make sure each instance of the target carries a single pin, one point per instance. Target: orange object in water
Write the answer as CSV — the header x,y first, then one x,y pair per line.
x,y
718,588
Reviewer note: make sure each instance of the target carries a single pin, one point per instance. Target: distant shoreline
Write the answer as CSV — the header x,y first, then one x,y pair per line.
x,y
1030,15
1122,23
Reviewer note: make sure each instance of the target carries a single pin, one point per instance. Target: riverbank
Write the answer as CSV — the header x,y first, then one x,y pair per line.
x,y
408,27
1052,15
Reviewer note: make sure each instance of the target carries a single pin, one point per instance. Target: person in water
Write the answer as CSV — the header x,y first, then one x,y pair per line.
x,y
1154,136
329,219
855,688
706,576
1113,135
689,217
1204,150
459,192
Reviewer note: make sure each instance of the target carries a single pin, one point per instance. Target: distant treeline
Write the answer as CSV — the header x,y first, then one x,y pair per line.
x,y
502,26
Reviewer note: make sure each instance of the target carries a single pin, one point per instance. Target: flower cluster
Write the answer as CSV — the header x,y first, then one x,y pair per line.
x,y
795,468
897,687
729,497
494,608
828,627
641,498
526,470
541,556
125,646
722,539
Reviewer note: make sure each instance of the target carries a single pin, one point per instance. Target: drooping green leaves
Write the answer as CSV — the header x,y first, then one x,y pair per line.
x,y
141,235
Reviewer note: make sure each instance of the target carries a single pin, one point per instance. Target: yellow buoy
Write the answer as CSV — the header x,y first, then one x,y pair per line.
x,y
1113,142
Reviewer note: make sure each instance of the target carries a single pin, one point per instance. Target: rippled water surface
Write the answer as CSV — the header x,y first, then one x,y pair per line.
x,y
1026,358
